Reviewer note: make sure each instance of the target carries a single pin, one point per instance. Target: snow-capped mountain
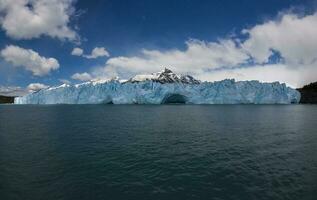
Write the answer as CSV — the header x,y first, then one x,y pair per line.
x,y
165,76
164,87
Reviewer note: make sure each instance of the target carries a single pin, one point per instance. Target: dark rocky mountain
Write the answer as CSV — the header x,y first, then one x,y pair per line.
x,y
5,99
308,94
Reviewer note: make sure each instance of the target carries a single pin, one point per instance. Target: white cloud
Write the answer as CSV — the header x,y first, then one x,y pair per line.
x,y
77,52
12,91
198,57
26,19
33,87
292,36
65,81
95,53
265,73
98,52
18,91
30,60
81,76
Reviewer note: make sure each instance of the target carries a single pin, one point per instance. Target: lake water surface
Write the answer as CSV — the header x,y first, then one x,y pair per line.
x,y
158,152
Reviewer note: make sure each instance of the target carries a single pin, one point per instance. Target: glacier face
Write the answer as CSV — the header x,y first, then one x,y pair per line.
x,y
157,92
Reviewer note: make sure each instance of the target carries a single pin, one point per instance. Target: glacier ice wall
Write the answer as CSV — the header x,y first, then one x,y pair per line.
x,y
152,92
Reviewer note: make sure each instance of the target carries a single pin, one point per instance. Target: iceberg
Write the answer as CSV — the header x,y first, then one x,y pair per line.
x,y
164,87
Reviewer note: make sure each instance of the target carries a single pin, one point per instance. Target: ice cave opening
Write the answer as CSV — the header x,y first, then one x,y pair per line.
x,y
107,101
174,99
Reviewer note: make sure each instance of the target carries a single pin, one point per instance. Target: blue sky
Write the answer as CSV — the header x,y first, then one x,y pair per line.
x,y
212,40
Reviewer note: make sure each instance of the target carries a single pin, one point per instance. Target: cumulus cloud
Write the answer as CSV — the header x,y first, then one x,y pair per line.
x,y
293,37
198,57
266,73
98,52
95,53
77,52
81,76
33,87
19,91
64,81
12,91
29,60
26,19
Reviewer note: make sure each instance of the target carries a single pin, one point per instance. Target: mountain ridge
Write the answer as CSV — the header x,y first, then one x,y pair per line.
x,y
165,76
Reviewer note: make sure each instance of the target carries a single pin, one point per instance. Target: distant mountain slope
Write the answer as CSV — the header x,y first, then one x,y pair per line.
x,y
5,99
308,93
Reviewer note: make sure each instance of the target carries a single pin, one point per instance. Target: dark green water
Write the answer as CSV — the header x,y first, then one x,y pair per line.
x,y
158,152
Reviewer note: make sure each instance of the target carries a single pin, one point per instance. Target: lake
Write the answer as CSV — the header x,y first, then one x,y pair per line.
x,y
158,152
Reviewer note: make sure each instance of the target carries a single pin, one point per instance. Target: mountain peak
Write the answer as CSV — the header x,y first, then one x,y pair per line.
x,y
166,70
165,76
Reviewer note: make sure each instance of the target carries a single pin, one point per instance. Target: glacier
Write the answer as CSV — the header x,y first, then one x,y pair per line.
x,y
163,88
